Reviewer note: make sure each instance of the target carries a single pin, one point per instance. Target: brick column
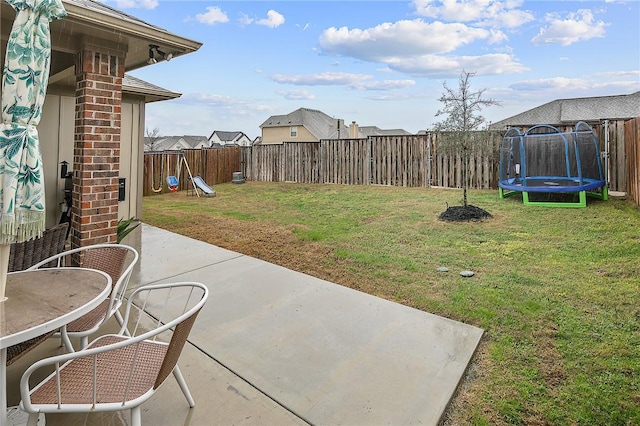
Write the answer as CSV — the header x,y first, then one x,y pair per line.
x,y
96,154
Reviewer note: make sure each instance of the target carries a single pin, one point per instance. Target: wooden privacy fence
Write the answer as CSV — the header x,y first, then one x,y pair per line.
x,y
407,160
214,165
632,139
410,160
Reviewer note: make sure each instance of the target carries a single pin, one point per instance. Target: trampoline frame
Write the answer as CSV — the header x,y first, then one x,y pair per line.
x,y
521,183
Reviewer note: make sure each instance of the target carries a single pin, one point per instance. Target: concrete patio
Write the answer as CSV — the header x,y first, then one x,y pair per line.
x,y
276,347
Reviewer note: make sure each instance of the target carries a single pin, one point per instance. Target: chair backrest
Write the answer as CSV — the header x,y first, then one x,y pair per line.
x,y
26,254
152,313
165,307
117,260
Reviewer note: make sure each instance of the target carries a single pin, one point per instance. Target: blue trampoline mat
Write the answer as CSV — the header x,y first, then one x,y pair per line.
x,y
551,184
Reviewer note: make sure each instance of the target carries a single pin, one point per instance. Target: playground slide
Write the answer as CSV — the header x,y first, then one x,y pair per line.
x,y
202,185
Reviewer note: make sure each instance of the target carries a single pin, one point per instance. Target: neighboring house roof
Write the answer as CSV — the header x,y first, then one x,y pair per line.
x,y
228,137
151,92
562,111
172,143
316,122
366,131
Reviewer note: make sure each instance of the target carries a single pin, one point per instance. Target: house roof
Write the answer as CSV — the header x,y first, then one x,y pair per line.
x,y
316,122
366,131
165,143
151,92
563,111
227,136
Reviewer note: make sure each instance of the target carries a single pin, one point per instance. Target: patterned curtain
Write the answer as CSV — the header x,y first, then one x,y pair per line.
x,y
24,85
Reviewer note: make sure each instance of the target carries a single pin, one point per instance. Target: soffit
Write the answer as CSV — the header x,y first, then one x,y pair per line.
x,y
92,23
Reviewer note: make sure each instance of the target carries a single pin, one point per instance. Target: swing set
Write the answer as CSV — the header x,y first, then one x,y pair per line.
x,y
172,180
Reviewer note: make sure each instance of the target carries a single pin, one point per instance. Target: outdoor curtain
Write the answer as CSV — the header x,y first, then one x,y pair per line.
x,y
24,85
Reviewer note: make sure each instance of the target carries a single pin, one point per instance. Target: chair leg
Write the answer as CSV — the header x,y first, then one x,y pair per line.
x,y
84,342
183,385
65,339
136,416
121,322
33,419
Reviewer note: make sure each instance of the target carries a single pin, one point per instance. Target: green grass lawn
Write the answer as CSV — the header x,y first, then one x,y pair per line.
x,y
556,290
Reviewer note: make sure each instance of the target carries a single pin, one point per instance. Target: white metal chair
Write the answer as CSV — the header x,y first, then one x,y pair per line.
x,y
109,258
117,371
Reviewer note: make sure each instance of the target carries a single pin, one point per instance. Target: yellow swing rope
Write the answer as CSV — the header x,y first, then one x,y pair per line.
x,y
153,156
179,166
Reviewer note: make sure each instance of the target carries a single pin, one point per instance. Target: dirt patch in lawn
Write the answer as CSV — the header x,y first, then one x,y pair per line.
x,y
275,244
282,246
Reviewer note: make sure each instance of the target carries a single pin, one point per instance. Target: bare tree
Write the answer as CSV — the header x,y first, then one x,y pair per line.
x,y
462,108
151,137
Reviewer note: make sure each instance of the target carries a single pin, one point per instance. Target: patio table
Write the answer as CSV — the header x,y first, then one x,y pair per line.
x,y
41,301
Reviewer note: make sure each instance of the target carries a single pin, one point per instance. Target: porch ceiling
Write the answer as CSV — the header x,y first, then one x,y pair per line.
x,y
91,22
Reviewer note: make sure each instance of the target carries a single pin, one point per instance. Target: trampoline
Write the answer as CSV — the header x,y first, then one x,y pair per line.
x,y
546,160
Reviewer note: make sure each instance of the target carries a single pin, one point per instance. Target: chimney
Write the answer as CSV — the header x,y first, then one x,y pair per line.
x,y
340,128
353,130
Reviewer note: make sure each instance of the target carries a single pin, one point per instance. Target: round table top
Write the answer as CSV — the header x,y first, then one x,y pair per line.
x,y
43,300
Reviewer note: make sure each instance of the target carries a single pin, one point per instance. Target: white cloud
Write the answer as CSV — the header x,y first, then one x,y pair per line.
x,y
402,38
451,10
494,13
136,4
353,81
383,85
603,84
297,95
616,75
214,15
245,20
497,37
321,79
419,48
450,66
555,83
273,19
512,18
579,26
211,99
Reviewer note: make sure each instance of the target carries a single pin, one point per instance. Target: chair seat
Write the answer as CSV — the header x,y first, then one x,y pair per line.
x,y
16,352
90,320
112,376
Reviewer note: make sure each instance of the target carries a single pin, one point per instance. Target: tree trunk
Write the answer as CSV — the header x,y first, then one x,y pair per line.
x,y
465,167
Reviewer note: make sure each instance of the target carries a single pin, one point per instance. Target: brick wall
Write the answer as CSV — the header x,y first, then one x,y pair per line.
x,y
96,153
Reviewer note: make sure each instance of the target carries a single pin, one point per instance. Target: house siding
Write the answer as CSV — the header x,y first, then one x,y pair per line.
x,y
56,130
277,135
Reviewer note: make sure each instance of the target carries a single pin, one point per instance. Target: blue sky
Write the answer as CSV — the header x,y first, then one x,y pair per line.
x,y
382,63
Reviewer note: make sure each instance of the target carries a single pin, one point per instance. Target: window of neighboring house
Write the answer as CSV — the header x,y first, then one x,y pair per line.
x,y
294,131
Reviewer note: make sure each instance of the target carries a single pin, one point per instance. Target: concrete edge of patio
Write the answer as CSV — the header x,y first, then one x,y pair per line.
x,y
328,353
